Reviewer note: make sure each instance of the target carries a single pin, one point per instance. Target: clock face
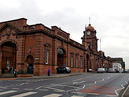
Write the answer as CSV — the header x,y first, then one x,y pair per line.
x,y
88,33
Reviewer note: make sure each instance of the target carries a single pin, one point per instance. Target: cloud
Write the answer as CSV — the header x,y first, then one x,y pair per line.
x,y
109,17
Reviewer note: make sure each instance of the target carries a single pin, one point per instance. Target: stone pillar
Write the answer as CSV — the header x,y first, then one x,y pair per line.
x,y
37,65
20,54
0,62
54,56
54,51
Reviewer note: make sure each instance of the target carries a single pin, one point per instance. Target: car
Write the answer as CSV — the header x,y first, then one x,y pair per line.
x,y
63,70
90,70
101,70
111,70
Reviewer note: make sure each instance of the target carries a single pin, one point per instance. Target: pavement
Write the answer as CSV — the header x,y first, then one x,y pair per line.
x,y
66,85
41,77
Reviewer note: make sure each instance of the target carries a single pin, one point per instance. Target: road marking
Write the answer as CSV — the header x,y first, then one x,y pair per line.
x,y
82,81
77,96
122,86
24,94
95,82
61,85
53,95
78,82
2,87
43,89
39,87
28,89
74,83
84,86
116,92
125,91
126,82
111,96
15,88
93,93
7,92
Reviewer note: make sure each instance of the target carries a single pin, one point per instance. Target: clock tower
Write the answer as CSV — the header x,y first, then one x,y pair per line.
x,y
89,39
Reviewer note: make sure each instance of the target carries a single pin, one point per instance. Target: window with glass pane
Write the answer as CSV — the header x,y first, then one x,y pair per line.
x,y
81,62
71,61
77,61
47,56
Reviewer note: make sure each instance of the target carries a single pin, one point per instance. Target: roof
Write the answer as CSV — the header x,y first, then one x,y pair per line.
x,y
89,27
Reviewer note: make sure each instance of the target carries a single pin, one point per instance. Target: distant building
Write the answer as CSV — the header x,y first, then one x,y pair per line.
x,y
119,63
35,49
117,67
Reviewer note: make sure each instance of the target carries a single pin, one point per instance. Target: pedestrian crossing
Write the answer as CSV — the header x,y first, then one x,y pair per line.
x,y
24,94
7,92
14,93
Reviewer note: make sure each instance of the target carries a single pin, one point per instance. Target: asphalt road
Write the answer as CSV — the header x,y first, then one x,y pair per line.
x,y
85,85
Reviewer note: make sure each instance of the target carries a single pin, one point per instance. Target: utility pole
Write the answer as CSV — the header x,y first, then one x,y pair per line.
x,y
100,44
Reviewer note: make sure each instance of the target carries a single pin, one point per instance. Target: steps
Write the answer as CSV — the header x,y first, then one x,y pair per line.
x,y
24,75
8,75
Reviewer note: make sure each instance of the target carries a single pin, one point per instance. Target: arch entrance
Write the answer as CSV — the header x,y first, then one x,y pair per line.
x,y
60,57
30,64
8,57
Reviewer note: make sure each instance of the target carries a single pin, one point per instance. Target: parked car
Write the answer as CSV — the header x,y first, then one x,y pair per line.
x,y
63,70
111,70
101,70
90,70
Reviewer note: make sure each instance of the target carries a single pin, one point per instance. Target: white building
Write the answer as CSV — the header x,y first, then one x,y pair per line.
x,y
117,67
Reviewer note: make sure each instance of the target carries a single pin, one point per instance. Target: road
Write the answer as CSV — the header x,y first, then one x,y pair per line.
x,y
85,85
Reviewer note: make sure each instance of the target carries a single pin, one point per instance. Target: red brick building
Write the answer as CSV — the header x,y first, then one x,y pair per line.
x,y
36,48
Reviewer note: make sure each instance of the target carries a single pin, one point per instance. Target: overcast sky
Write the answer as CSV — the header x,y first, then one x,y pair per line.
x,y
110,18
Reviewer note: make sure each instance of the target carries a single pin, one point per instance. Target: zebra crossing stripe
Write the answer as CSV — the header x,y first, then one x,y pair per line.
x,y
24,94
53,95
7,92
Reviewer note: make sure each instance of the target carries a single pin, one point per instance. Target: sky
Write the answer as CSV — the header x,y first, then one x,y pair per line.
x,y
110,18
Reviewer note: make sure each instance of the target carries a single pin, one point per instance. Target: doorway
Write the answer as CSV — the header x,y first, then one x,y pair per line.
x,y
8,50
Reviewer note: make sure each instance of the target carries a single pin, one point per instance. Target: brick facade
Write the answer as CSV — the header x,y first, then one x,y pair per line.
x,y
43,48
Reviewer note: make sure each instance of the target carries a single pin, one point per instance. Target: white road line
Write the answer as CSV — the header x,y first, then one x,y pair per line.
x,y
126,82
95,82
2,87
7,92
78,82
111,96
122,86
125,91
53,95
15,88
21,84
77,96
84,86
24,94
93,93
118,90
39,87
82,81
